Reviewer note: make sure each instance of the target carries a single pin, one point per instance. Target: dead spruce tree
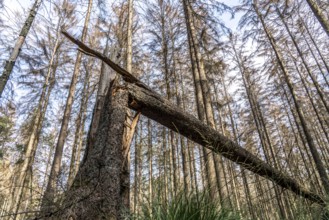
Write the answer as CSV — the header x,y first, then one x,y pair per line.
x,y
96,190
10,63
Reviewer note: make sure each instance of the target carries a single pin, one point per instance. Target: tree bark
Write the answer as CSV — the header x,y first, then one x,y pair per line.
x,y
97,190
160,110
136,192
150,163
106,76
130,123
129,35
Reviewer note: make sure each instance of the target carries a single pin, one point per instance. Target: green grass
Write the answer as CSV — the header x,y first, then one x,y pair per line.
x,y
184,207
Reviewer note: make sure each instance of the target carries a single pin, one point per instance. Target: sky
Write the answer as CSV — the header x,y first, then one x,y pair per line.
x,y
12,8
17,5
20,5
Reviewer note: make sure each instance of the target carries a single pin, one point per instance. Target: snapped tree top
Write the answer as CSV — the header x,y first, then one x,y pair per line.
x,y
149,103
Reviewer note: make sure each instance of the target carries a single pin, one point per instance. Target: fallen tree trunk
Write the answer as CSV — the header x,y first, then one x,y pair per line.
x,y
161,110
149,103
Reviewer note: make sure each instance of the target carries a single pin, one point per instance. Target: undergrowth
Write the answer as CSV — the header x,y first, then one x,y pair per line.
x,y
185,207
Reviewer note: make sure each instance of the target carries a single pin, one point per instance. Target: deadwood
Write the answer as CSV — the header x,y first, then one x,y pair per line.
x,y
98,189
128,77
161,110
146,101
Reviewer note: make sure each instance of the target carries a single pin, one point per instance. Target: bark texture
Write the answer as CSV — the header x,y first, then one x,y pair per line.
x,y
130,123
105,78
97,190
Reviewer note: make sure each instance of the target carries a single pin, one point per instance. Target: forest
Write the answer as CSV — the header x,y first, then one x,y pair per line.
x,y
164,109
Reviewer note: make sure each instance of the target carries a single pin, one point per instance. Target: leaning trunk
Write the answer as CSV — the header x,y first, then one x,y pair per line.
x,y
316,157
10,63
160,110
319,15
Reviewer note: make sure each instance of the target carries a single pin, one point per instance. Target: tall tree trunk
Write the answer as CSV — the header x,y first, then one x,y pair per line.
x,y
140,167
150,159
10,63
319,15
315,44
301,55
138,171
129,36
76,150
28,161
192,162
49,155
165,166
130,123
307,164
49,196
317,61
136,192
203,96
184,149
260,124
96,191
235,138
309,95
305,127
35,132
165,60
105,78
230,165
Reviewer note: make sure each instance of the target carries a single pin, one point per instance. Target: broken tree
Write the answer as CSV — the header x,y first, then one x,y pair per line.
x,y
98,188
95,194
